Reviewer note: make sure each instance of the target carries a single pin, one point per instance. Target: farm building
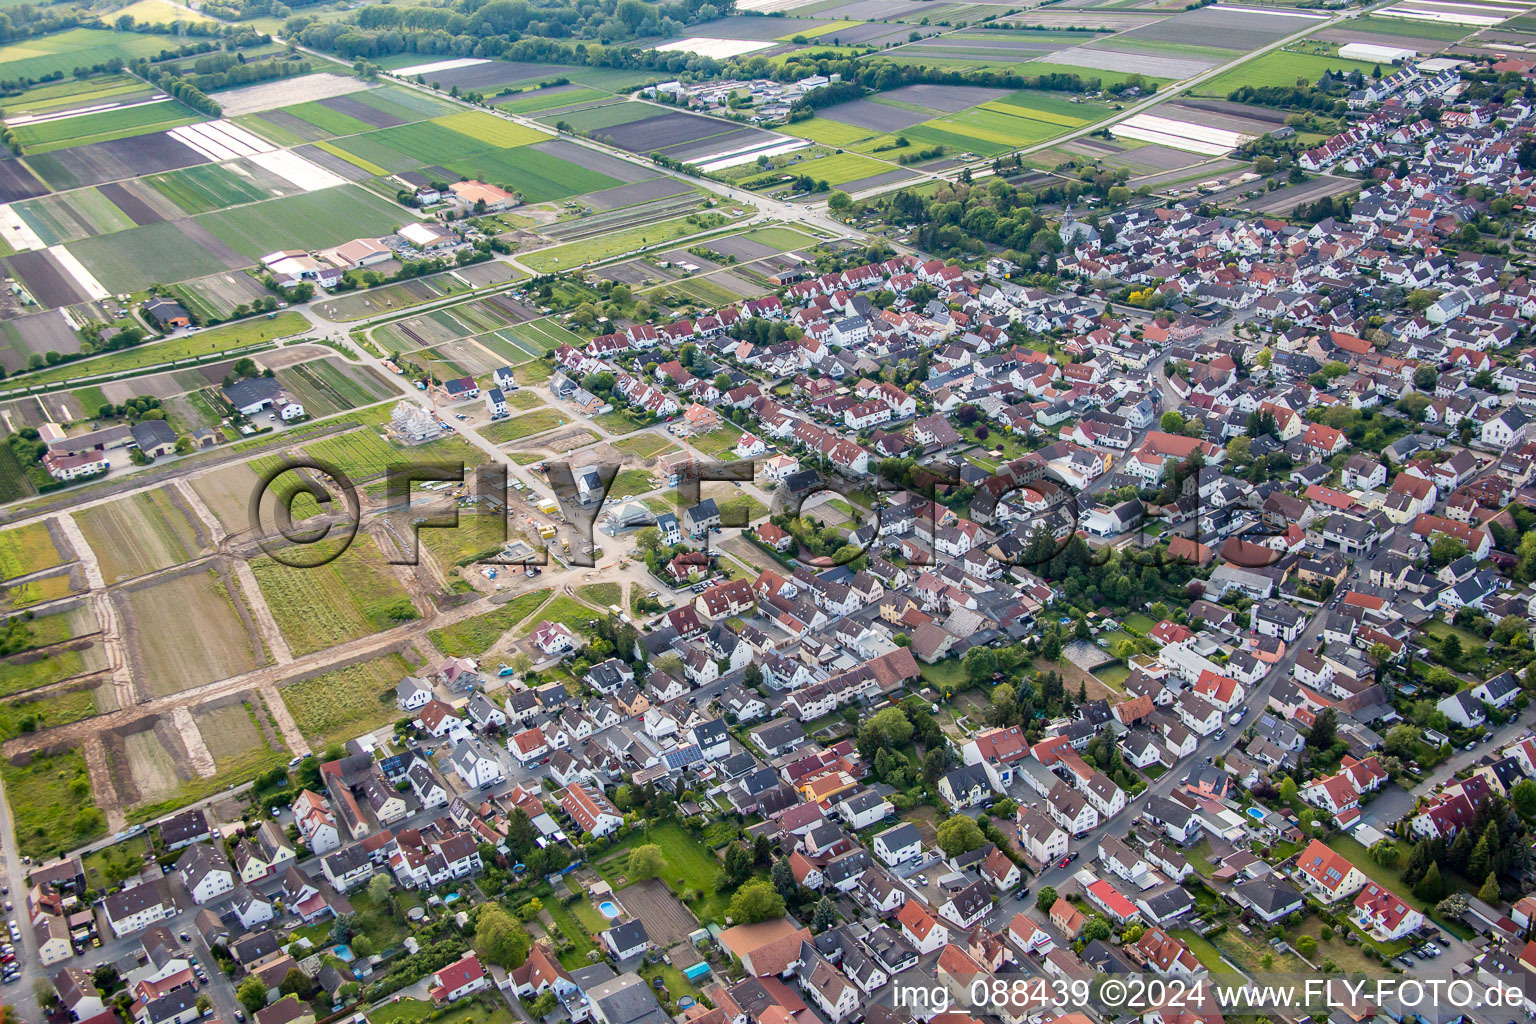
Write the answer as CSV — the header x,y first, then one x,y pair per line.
x,y
254,394
427,236
1376,52
168,313
358,253
291,266
471,192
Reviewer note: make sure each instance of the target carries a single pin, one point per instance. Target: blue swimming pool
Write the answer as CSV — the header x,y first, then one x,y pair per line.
x,y
608,909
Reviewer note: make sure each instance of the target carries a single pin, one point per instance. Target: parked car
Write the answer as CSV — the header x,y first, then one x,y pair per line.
x,y
1064,862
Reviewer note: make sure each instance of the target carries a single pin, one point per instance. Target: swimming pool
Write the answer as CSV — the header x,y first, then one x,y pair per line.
x,y
608,909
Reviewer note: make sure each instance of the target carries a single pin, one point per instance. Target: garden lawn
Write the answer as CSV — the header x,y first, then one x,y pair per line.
x,y
571,928
945,676
645,446
1392,878
526,425
465,1011
690,863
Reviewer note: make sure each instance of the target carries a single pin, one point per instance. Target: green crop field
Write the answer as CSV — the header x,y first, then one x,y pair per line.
x,y
81,213
305,221
348,702
934,133
498,131
535,100
1404,28
328,120
995,125
349,597
1039,67
840,168
128,261
206,188
19,676
544,336
62,52
105,126
831,133
607,116
51,804
575,254
473,637
209,342
1283,68
27,549
13,479
351,158
782,238
72,93
538,176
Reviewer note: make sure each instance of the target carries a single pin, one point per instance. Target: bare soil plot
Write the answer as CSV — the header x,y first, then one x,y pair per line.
x,y
876,117
41,333
229,729
121,158
146,764
736,139
948,99
227,493
637,192
251,99
667,921
1285,200
878,10
50,284
876,180
1233,117
667,130
497,72
1153,157
188,629
1229,28
471,356
602,163
1155,65
352,107
16,182
142,533
131,203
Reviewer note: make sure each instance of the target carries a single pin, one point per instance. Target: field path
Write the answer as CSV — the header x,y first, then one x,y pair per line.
x,y
199,507
103,785
257,603
192,738
112,643
285,723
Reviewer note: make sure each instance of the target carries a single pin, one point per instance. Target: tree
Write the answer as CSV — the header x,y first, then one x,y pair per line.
x,y
1523,796
980,663
252,994
1045,899
1489,893
297,983
544,1005
1172,422
1321,735
839,202
1385,852
1430,887
960,834
362,945
1450,649
887,729
1306,945
499,939
783,877
824,916
645,862
756,901
1425,377
1096,928
1454,907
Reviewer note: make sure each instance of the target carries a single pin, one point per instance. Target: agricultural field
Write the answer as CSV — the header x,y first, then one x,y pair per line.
x,y
190,347
142,533
327,386
305,221
50,802
19,674
840,169
60,132
37,591
28,549
1282,68
531,101
62,52
606,247
347,702
349,597
57,708
187,630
